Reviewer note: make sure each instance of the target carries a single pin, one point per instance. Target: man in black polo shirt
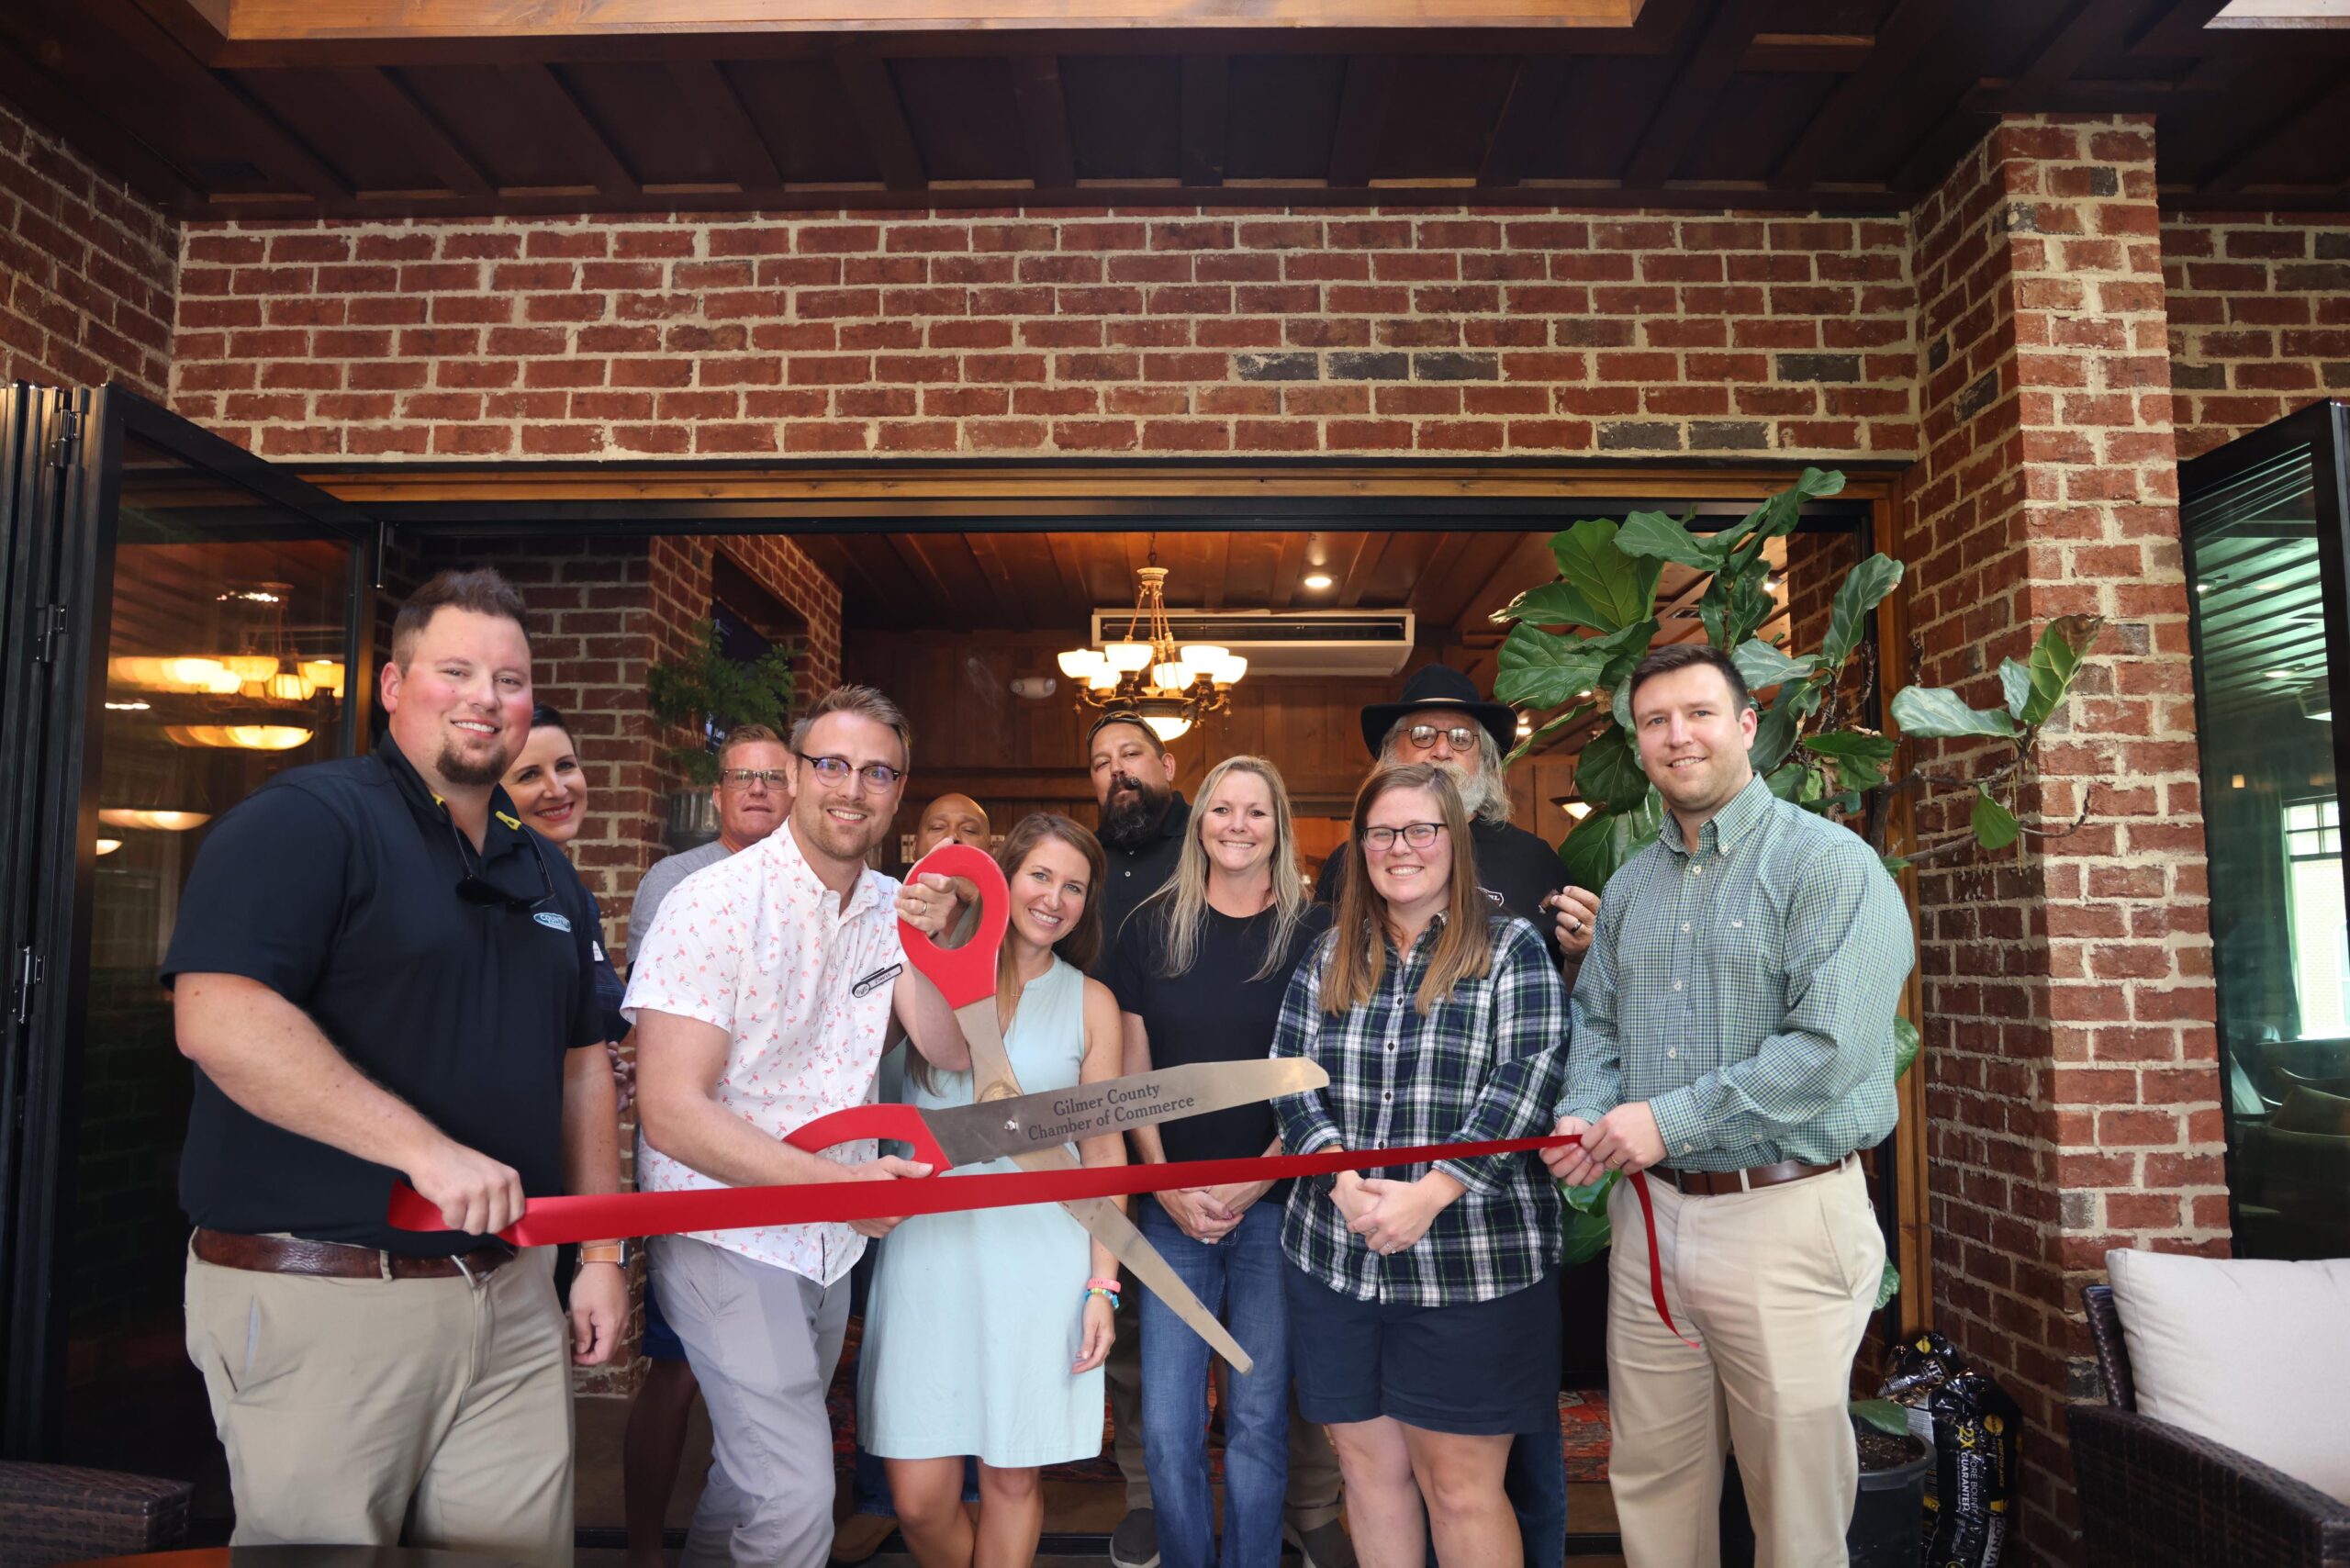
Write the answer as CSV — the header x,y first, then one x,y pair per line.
x,y
1441,719
381,974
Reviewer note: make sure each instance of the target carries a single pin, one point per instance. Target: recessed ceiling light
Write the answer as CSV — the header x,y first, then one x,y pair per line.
x,y
2202,587
2271,586
1317,581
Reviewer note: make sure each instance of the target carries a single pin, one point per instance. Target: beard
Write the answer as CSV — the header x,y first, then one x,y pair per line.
x,y
1131,817
471,773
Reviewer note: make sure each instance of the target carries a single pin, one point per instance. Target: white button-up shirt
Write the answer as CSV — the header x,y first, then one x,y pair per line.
x,y
801,984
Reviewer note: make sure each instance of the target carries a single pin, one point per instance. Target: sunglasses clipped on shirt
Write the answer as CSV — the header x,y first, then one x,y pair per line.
x,y
475,888
835,770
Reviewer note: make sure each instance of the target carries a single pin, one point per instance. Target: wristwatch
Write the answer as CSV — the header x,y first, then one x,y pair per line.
x,y
605,1252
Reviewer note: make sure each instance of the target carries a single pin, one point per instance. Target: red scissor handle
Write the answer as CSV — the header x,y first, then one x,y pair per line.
x,y
965,974
902,1122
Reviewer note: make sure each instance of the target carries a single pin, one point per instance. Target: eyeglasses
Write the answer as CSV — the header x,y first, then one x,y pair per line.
x,y
1423,737
836,770
1419,835
475,888
743,778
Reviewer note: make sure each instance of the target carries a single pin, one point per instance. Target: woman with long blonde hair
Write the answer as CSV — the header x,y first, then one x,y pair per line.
x,y
1423,1300
1200,970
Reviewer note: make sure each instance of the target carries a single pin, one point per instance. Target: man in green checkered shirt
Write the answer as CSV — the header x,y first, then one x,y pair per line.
x,y
1733,1037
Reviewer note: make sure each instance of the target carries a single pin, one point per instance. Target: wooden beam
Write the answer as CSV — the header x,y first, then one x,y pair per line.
x,y
1044,121
1072,572
543,98
201,26
252,129
873,98
1218,567
1904,35
996,577
2235,170
1362,114
384,100
69,112
1344,569
2095,26
1366,564
949,610
1288,567
1791,54
2180,30
1535,88
1205,117
725,125
1707,70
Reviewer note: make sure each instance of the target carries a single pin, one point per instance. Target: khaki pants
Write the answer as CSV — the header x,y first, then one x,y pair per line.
x,y
428,1413
1778,1285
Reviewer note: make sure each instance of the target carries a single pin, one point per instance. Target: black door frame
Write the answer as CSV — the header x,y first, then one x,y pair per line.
x,y
57,725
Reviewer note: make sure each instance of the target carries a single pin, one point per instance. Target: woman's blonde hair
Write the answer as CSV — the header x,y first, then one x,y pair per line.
x,y
1360,935
1182,899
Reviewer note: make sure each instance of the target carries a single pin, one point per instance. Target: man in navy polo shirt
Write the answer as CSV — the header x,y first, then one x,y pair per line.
x,y
382,975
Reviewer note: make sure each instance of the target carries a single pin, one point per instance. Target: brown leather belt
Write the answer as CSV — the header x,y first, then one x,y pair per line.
x,y
1713,1183
332,1260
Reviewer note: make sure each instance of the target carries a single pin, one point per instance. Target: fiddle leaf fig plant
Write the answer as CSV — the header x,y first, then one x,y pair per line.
x,y
711,694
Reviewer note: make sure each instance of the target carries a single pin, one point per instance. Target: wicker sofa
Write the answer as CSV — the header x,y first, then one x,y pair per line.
x,y
58,1513
2151,1493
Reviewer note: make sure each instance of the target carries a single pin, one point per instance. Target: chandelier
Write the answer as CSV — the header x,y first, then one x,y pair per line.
x,y
1171,688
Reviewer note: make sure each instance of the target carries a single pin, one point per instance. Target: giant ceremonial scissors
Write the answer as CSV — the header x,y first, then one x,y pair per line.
x,y
1034,1130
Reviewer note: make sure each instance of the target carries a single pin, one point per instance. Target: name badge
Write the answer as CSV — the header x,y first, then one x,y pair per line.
x,y
878,978
553,920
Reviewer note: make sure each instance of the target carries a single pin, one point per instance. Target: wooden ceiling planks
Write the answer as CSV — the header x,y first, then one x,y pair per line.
x,y
1848,104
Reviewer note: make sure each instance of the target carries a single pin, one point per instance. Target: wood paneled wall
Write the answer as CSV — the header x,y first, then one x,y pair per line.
x,y
1015,756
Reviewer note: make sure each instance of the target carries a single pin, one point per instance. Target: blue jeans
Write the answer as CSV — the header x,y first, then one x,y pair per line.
x,y
1536,1484
1240,1279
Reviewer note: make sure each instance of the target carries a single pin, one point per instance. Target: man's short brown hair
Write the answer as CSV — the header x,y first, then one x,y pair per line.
x,y
747,735
864,701
1685,655
481,590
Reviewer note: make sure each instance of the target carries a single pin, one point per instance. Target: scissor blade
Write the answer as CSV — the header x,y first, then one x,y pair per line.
x,y
1108,1225
990,1130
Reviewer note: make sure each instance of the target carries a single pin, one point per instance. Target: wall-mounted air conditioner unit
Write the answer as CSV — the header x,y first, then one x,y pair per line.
x,y
1288,641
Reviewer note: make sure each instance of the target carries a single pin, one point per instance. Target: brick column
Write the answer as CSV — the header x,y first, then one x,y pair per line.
x,y
2072,1082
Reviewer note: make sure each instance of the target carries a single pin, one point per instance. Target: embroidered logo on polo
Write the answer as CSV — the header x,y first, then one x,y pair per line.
x,y
866,986
553,920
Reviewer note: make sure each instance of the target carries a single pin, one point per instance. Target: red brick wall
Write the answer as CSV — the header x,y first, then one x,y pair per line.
x,y
2259,319
87,270
2070,1055
1053,332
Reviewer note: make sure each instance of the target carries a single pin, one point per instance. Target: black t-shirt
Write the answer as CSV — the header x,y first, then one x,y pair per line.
x,y
611,990
1516,869
336,886
1135,874
1213,1013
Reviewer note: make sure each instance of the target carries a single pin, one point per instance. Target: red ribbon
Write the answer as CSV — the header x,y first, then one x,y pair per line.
x,y
552,1222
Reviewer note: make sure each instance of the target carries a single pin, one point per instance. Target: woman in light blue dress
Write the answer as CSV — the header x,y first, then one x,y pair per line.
x,y
986,1330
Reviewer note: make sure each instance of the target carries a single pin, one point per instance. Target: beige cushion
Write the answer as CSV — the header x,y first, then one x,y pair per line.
x,y
2251,1352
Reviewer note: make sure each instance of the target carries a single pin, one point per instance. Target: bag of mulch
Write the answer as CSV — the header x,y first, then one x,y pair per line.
x,y
1920,1367
1977,1475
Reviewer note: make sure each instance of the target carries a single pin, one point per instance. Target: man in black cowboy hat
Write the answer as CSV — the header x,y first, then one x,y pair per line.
x,y
1441,719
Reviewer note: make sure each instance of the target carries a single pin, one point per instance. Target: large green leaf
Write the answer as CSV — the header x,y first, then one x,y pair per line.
x,y
1905,1043
1774,736
1995,827
1619,705
1593,1199
1860,760
1609,773
1888,1285
1582,1237
1603,841
1654,534
1544,732
1763,665
2015,685
1883,1415
1616,590
2056,660
1779,514
1787,781
1553,604
1543,670
1863,590
1936,712
1625,650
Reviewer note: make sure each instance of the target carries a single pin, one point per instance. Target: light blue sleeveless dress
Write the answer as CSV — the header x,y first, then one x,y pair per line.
x,y
975,1318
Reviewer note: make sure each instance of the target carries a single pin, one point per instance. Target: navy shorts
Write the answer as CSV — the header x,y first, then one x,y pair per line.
x,y
1481,1368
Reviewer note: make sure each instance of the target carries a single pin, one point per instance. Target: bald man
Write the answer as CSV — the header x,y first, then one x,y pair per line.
x,y
951,819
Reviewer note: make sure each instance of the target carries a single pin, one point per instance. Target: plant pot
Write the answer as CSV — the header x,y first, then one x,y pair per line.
x,y
690,821
1889,1527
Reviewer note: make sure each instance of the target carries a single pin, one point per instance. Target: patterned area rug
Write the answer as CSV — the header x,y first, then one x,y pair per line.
x,y
1583,1416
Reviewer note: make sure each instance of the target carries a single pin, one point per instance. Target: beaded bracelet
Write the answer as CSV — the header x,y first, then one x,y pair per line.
x,y
1109,1295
